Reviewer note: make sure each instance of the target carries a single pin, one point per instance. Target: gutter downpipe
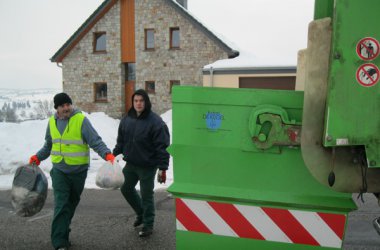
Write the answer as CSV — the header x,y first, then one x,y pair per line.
x,y
211,76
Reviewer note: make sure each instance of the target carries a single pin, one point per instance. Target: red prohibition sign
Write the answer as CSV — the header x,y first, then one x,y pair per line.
x,y
367,48
367,75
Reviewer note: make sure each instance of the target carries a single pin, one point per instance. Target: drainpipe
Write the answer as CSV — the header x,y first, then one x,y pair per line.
x,y
59,65
211,76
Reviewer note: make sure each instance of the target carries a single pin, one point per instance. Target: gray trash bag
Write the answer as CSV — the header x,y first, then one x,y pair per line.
x,y
29,190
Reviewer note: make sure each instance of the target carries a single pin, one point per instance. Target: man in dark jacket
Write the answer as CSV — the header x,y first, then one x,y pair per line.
x,y
69,136
142,139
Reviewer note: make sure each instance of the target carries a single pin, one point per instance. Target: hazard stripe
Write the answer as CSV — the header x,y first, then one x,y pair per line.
x,y
336,222
188,219
236,220
261,223
180,226
256,216
317,228
208,215
290,226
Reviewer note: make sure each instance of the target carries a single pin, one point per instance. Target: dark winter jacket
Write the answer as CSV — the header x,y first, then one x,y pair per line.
x,y
89,135
143,139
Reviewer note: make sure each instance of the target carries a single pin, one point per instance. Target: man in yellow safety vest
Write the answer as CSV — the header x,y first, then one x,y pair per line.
x,y
68,137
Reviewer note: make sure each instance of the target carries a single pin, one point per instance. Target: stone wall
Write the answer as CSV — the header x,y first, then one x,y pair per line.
x,y
163,64
82,68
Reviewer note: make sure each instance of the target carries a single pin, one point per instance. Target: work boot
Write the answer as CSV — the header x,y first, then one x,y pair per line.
x,y
376,224
146,231
138,221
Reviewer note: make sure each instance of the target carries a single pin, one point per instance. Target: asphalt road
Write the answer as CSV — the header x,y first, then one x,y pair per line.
x,y
360,233
104,221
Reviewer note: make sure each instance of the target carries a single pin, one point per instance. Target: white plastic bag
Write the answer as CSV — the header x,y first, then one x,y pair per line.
x,y
110,176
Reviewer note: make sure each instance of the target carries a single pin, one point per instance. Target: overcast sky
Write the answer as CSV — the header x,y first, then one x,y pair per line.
x,y
33,30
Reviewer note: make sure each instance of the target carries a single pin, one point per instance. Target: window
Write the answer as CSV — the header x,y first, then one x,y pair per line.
x,y
173,83
150,87
100,41
130,69
174,38
100,92
149,39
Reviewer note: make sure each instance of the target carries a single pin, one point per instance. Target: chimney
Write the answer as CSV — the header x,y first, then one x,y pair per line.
x,y
183,3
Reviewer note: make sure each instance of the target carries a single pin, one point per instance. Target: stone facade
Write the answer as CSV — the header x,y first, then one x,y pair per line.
x,y
82,68
164,64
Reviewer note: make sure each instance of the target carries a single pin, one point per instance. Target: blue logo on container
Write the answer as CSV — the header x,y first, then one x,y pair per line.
x,y
213,120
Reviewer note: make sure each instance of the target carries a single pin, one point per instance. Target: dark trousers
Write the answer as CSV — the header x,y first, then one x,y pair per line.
x,y
144,205
67,191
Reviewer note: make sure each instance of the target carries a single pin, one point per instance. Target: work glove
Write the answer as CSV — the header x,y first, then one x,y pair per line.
x,y
110,157
34,159
161,176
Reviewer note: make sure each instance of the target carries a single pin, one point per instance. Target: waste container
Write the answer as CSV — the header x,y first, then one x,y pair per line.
x,y
239,178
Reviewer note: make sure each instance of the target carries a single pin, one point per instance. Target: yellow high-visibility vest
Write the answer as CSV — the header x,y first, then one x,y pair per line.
x,y
70,145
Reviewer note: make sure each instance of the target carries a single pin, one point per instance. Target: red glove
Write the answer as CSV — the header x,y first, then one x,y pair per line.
x,y
34,159
161,176
110,157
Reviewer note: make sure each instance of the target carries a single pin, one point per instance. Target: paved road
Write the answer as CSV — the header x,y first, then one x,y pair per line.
x,y
360,233
104,221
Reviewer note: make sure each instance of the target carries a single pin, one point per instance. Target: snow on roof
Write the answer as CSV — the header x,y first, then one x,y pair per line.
x,y
247,60
219,36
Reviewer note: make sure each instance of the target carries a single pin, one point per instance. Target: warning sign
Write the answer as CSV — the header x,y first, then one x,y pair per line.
x,y
367,75
367,48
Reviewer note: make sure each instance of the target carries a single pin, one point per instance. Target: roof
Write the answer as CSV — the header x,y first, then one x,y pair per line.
x,y
252,70
106,6
246,63
82,30
221,42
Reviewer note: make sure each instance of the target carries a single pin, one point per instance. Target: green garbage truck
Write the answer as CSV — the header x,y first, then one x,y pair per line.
x,y
276,169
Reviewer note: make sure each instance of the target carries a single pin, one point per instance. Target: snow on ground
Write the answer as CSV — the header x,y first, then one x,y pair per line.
x,y
21,140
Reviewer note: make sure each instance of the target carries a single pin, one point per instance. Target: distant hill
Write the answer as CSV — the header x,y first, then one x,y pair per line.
x,y
17,105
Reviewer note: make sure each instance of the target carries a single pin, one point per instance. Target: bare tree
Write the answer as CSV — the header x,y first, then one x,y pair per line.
x,y
23,114
11,116
44,109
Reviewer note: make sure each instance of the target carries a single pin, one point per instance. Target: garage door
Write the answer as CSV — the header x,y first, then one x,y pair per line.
x,y
282,82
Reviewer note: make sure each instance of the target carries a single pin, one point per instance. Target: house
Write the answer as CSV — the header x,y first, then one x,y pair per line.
x,y
247,71
131,44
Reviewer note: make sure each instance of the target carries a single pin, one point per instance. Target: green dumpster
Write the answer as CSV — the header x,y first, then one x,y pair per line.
x,y
239,178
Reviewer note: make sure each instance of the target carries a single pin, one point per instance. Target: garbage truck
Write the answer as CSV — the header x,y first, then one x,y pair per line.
x,y
276,169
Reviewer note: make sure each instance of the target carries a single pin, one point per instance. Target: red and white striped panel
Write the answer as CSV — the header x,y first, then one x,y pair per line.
x,y
262,223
